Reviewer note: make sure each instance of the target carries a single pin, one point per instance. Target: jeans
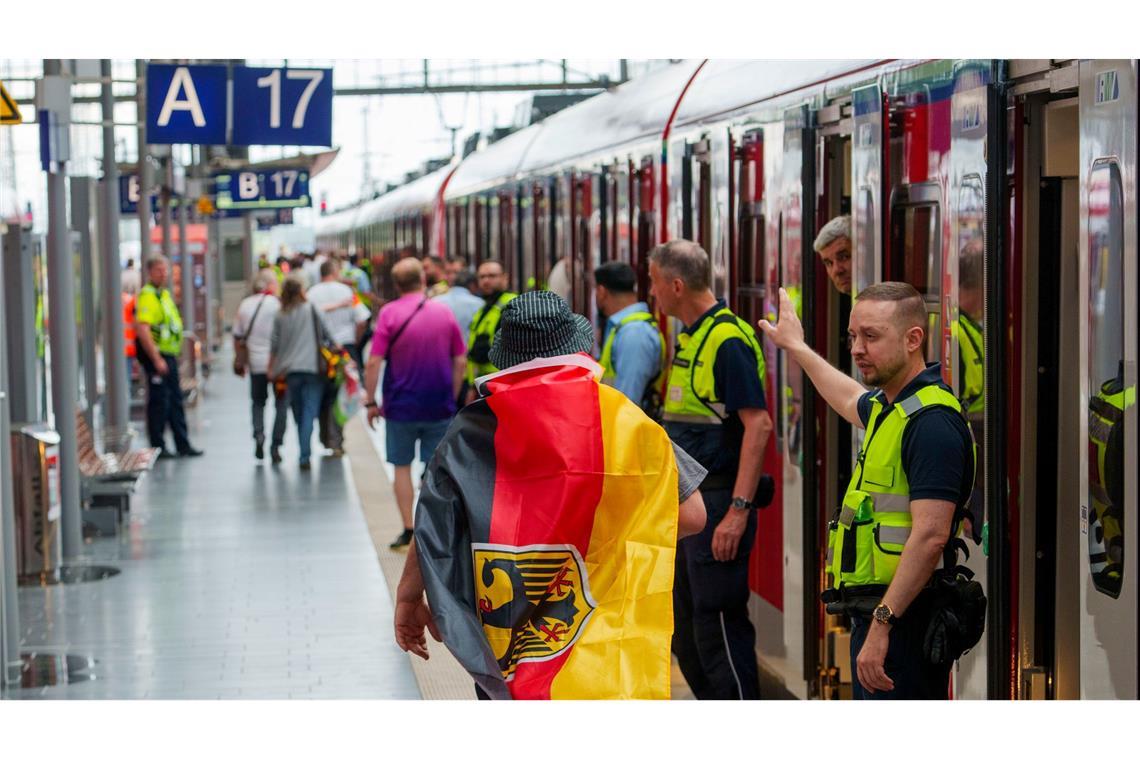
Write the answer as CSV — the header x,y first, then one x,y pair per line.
x,y
331,434
713,638
259,393
906,664
305,389
400,439
164,406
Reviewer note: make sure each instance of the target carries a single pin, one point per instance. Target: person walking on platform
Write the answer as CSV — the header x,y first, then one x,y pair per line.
x,y
906,498
420,341
714,408
253,331
435,270
633,353
299,331
833,244
493,287
463,303
455,265
546,516
346,319
158,330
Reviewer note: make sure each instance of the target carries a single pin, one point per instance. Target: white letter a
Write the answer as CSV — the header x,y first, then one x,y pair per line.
x,y
182,81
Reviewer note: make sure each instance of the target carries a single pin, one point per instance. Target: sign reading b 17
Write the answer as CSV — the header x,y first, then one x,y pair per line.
x,y
265,189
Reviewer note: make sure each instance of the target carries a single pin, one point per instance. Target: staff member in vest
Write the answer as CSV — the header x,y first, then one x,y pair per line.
x,y
715,411
632,350
493,287
158,328
901,509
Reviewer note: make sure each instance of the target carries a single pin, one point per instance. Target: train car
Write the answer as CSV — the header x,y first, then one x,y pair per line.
x,y
1005,192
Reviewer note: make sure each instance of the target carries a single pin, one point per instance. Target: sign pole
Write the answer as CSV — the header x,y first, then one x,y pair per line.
x,y
164,202
9,607
61,294
144,210
187,305
117,409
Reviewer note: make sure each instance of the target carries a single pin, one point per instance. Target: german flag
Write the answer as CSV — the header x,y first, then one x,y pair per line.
x,y
546,532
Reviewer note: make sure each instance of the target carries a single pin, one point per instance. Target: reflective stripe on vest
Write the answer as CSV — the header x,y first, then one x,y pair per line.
x,y
971,352
875,520
691,394
485,322
1106,413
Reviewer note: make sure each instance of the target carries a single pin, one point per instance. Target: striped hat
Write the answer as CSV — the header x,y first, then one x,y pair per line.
x,y
539,323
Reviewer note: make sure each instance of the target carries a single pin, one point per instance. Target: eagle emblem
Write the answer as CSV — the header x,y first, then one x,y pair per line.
x,y
533,601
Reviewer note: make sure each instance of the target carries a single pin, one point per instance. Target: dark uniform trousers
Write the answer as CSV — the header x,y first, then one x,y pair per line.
x,y
164,405
906,664
713,639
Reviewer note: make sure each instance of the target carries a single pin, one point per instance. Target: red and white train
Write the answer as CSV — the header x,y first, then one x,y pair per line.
x,y
1005,190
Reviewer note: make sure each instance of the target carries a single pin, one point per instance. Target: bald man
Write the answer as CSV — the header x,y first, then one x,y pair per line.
x,y
906,497
420,340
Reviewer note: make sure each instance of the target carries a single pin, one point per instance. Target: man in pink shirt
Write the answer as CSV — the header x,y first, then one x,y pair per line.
x,y
426,358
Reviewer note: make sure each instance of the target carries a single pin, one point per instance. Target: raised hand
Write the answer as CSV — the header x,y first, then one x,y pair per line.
x,y
788,332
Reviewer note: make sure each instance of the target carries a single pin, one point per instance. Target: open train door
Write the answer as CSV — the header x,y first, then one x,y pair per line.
x,y
1108,454
867,186
964,314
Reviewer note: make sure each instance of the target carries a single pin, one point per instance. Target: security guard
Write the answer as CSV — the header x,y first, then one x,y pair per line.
x,y
158,327
714,409
634,363
493,286
907,494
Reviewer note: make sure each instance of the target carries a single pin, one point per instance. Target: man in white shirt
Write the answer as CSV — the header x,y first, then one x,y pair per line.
x,y
346,320
254,326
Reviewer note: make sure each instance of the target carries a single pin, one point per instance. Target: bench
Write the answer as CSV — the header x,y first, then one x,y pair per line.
x,y
129,465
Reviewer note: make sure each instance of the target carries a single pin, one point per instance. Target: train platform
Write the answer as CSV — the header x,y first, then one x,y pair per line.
x,y
235,579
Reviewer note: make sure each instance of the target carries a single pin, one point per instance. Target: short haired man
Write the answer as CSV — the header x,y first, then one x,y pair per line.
x,y
436,275
545,518
715,409
907,493
833,244
421,343
493,287
158,330
455,265
463,303
254,326
346,319
633,353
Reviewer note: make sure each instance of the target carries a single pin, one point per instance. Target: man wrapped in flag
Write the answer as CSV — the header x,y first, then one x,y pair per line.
x,y
547,525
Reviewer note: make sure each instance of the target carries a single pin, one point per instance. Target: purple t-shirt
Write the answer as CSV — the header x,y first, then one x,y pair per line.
x,y
417,380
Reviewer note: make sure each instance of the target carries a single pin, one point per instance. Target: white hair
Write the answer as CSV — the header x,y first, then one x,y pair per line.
x,y
839,227
263,279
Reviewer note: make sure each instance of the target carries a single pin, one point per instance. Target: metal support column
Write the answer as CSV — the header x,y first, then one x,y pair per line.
x,y
116,411
84,201
19,318
62,334
167,170
9,606
247,248
143,168
187,305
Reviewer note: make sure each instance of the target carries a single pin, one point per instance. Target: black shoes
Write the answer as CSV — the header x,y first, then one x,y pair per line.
x,y
275,454
402,540
191,452
259,450
166,454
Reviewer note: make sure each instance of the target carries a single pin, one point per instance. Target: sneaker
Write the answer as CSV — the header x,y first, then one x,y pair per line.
x,y
401,541
259,450
305,465
275,454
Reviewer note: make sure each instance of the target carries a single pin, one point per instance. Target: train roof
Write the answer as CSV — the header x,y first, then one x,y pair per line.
x,y
495,164
725,86
336,223
417,195
636,111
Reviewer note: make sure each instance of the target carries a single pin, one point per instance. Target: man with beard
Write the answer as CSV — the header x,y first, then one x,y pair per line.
x,y
907,494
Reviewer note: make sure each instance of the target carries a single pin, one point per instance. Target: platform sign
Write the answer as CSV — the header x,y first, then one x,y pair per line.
x,y
129,194
264,189
282,106
185,104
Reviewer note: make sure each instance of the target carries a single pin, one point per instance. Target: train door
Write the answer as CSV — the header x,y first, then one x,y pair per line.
x,y
833,309
748,273
642,210
965,311
581,262
1108,345
867,187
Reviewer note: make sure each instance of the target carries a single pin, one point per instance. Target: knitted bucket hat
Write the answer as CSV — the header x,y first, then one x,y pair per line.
x,y
539,324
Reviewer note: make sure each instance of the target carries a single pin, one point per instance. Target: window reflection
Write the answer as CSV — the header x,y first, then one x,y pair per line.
x,y
968,330
1109,397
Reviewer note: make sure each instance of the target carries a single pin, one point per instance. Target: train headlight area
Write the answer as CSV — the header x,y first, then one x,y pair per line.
x,y
1003,191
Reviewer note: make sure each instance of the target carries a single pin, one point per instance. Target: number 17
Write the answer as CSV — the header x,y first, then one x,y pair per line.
x,y
273,82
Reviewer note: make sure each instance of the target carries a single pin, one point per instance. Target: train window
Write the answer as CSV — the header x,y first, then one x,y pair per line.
x,y
864,239
1108,396
917,258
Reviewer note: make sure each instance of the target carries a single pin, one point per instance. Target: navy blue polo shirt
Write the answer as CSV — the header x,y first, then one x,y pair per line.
x,y
717,447
936,446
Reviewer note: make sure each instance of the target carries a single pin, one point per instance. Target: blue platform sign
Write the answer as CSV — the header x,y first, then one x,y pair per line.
x,y
282,106
185,104
262,189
